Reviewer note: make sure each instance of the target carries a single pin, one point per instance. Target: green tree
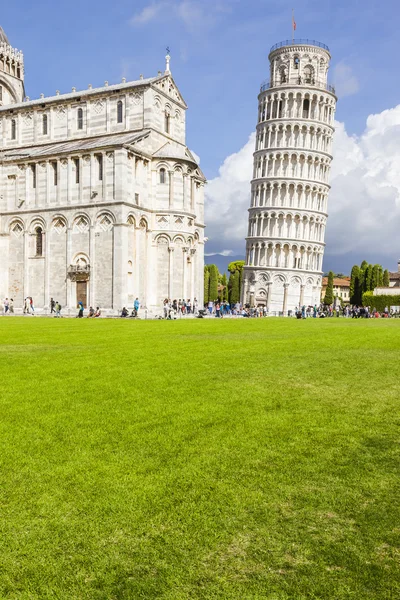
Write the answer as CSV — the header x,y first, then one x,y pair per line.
x,y
366,281
355,289
236,267
234,287
329,290
386,279
213,288
375,277
206,284
380,276
224,284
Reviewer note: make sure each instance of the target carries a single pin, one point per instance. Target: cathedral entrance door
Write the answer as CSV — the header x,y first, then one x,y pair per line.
x,y
81,292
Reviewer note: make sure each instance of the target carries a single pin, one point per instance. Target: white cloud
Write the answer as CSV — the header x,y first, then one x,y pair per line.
x,y
195,16
364,202
149,13
346,83
223,253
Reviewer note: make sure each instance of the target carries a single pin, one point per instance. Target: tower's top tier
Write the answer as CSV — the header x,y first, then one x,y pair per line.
x,y
299,63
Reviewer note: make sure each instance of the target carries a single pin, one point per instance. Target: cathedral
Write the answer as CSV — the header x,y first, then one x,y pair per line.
x,y
101,201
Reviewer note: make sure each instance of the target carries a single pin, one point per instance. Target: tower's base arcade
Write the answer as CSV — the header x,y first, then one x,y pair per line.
x,y
282,292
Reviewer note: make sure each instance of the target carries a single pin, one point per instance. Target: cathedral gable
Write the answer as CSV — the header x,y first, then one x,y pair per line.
x,y
168,86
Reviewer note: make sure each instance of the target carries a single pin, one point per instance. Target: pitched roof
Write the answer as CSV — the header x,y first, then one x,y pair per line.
x,y
119,139
394,275
82,93
3,37
337,281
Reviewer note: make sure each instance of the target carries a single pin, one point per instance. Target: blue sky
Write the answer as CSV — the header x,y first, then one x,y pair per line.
x,y
219,52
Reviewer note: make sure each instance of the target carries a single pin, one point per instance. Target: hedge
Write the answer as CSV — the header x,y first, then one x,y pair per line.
x,y
380,302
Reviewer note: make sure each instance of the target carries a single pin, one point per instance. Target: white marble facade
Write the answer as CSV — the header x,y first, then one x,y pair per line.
x,y
100,199
290,186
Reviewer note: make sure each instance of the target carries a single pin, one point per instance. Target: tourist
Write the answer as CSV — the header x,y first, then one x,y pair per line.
x,y
91,313
52,306
80,310
124,312
136,306
31,307
303,312
98,312
6,305
11,306
195,306
210,307
58,309
188,307
26,306
218,310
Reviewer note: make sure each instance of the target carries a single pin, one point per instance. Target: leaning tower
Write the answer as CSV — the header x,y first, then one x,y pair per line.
x,y
290,185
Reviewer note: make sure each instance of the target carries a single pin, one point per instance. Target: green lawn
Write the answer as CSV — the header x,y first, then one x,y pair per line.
x,y
202,459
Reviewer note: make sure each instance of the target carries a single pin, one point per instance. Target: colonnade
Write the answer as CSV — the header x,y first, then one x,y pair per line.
x,y
284,255
299,166
289,195
287,225
295,135
296,105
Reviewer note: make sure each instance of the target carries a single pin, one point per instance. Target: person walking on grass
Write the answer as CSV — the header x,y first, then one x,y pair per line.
x,y
58,309
11,306
80,310
52,306
31,307
6,304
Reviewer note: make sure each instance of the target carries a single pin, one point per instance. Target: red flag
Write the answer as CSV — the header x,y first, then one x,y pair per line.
x,y
294,24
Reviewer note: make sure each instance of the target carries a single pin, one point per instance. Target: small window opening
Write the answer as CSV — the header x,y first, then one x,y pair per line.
x,y
80,118
162,176
167,123
100,166
33,171
119,111
55,173
13,129
39,241
77,173
44,125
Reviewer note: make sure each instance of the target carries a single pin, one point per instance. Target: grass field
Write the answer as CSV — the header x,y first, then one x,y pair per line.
x,y
203,459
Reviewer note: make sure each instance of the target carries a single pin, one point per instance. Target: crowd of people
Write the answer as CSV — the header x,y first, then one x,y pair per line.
x,y
172,309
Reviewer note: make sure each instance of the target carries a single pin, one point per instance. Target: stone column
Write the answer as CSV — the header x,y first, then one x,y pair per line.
x,y
269,288
171,272
171,188
92,258
192,273
302,295
120,252
68,299
26,263
47,292
184,258
285,298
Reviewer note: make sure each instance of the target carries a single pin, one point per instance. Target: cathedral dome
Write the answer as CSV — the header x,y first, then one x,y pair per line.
x,y
3,37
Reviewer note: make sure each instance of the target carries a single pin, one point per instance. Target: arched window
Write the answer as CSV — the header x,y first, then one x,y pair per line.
x,y
80,118
308,74
282,74
13,129
39,241
119,111
296,62
166,122
306,108
44,125
162,176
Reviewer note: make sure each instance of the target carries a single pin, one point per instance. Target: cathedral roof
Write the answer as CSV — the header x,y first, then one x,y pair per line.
x,y
3,37
92,143
174,151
